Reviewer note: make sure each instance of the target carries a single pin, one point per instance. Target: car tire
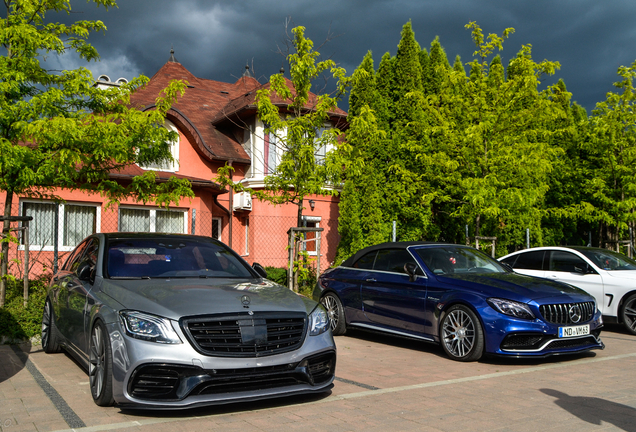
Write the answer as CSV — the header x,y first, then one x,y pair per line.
x,y
335,311
50,339
461,334
628,314
100,367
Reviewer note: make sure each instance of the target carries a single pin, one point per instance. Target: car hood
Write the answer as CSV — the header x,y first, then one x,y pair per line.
x,y
514,286
176,298
621,274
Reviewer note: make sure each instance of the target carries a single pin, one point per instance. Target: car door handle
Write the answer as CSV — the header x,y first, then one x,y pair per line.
x,y
371,280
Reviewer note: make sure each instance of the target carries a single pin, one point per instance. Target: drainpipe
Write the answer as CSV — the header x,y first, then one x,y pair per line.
x,y
219,205
231,204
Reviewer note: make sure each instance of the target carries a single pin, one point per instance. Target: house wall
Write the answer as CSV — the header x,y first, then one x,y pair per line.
x,y
259,235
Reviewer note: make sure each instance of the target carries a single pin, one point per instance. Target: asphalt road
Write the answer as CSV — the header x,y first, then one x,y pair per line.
x,y
383,383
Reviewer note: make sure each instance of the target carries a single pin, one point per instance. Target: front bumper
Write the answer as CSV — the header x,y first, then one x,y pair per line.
x,y
511,337
150,375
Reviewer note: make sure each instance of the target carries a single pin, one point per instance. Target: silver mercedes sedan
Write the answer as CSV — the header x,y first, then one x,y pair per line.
x,y
178,321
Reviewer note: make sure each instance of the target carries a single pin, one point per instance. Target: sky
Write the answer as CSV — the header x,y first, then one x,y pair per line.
x,y
215,39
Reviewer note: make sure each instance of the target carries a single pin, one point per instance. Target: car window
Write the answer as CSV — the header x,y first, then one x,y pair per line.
x,y
92,251
393,260
73,260
532,260
170,257
366,261
510,260
446,260
609,260
562,261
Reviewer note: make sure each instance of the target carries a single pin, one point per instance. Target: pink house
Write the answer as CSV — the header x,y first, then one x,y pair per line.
x,y
217,123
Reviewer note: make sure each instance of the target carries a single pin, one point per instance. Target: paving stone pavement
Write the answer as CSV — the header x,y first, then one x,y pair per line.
x,y
383,383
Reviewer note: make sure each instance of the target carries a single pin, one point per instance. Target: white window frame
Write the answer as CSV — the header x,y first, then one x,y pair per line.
x,y
174,150
217,235
247,237
60,223
153,216
316,220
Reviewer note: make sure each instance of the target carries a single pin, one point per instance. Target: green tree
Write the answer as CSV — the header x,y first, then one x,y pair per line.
x,y
361,222
363,90
57,130
384,83
499,133
437,67
299,129
613,151
568,215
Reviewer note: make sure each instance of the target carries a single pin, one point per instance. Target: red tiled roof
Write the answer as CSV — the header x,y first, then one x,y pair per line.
x,y
201,101
130,171
206,104
248,101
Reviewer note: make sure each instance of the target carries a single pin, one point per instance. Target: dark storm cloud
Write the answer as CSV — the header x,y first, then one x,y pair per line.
x,y
215,39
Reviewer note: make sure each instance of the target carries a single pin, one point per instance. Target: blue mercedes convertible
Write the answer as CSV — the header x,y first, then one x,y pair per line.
x,y
460,297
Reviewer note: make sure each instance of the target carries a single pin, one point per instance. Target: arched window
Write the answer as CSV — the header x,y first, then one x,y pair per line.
x,y
167,165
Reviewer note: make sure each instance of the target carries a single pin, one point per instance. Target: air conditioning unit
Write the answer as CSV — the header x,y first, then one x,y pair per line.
x,y
242,201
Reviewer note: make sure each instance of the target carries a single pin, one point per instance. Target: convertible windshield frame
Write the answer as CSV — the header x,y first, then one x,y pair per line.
x,y
455,260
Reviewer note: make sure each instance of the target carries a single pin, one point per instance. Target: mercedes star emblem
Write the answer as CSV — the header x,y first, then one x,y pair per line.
x,y
246,301
575,313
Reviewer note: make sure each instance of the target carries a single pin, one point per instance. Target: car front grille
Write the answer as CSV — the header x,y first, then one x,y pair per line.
x,y
563,313
155,382
538,342
522,341
244,335
174,382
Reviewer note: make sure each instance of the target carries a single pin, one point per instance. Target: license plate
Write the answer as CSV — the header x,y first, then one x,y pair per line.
x,y
566,332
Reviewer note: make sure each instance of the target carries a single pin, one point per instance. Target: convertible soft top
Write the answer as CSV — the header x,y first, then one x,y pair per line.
x,y
388,245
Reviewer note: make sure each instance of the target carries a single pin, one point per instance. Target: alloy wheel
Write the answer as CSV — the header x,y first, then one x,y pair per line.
x,y
97,370
333,310
46,325
629,314
459,333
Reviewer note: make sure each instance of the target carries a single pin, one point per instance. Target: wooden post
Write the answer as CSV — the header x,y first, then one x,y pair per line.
x,y
26,263
290,271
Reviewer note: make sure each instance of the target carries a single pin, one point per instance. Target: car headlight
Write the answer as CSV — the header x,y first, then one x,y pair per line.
x,y
318,321
511,308
148,327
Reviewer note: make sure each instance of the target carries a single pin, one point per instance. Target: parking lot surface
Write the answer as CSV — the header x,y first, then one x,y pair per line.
x,y
383,383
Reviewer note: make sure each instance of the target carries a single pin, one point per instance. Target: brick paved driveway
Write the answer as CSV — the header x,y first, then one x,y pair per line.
x,y
382,383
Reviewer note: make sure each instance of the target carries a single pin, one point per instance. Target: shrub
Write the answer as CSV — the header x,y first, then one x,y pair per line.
x,y
276,274
16,321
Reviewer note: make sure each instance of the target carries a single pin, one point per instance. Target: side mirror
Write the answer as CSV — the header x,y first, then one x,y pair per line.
x,y
506,266
260,270
411,269
84,271
583,269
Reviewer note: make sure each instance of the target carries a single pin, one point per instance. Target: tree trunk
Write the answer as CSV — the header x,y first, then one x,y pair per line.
x,y
5,247
477,225
297,246
299,221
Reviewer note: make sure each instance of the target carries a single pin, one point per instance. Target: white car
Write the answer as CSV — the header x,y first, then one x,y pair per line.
x,y
607,275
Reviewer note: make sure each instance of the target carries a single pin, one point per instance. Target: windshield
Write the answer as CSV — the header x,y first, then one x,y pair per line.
x,y
451,259
609,260
173,257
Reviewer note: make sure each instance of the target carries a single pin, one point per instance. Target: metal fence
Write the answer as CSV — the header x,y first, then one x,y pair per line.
x,y
57,228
